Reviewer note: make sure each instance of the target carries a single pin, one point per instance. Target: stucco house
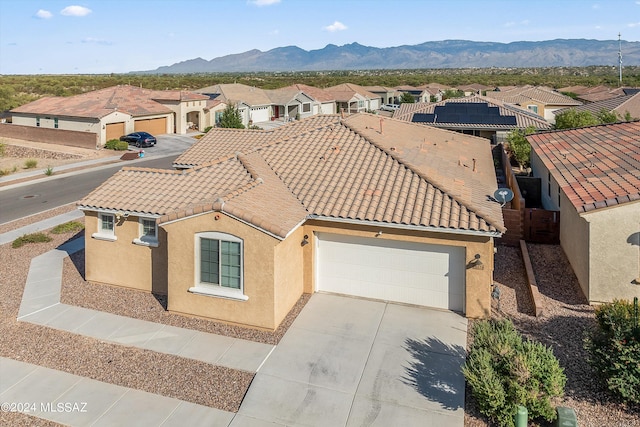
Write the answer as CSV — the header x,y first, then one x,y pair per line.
x,y
116,111
252,219
592,176
352,98
472,115
540,100
622,106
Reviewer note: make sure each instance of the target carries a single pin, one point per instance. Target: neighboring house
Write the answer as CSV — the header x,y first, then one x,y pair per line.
x,y
325,103
291,103
388,95
539,100
362,206
593,94
213,112
419,94
352,98
116,111
472,115
474,89
253,103
622,106
433,94
592,176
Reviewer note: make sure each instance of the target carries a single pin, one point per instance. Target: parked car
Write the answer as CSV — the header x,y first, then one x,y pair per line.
x,y
139,139
390,107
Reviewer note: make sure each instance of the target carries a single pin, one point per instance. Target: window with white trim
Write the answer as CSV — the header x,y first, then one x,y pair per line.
x,y
148,234
306,107
219,265
533,108
106,227
55,123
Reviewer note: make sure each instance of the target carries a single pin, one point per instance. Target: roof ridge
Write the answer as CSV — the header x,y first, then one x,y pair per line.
x,y
435,183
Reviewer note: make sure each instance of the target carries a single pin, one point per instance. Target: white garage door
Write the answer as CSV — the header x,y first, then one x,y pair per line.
x,y
259,114
413,273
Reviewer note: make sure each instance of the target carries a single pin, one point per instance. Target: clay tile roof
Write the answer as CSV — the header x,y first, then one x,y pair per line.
x,y
99,103
237,92
159,192
621,105
323,167
521,95
523,118
350,88
318,94
596,166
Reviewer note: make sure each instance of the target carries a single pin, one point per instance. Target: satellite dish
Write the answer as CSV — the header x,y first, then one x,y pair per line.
x,y
503,195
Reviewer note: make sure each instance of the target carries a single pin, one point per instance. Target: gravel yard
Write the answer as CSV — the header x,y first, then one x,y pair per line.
x,y
562,326
167,375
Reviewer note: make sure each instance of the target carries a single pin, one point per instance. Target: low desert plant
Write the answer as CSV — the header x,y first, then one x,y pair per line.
x,y
116,144
614,349
3,149
505,371
48,171
67,227
30,164
207,129
30,238
4,172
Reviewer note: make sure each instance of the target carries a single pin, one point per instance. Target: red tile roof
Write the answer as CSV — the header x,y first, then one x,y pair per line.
x,y
596,166
324,167
99,103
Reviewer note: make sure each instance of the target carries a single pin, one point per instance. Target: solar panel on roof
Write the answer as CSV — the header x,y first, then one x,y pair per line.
x,y
467,112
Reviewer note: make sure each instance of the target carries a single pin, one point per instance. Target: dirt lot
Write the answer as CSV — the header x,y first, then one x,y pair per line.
x,y
17,152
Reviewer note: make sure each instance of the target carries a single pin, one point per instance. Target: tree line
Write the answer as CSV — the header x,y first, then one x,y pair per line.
x,y
16,90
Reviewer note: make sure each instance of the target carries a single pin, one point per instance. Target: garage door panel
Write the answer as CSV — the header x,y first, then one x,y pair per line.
x,y
409,272
153,126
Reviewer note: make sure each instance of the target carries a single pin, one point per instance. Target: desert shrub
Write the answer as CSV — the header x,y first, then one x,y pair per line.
x,y
30,238
614,349
116,144
207,129
505,371
4,172
31,163
67,227
48,171
3,149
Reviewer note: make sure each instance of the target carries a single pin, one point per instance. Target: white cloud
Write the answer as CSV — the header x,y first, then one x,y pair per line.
x,y
336,26
509,24
44,14
595,6
634,24
75,11
274,32
96,41
264,2
598,27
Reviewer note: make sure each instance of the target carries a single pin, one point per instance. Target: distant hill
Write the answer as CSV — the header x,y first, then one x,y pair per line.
x,y
436,54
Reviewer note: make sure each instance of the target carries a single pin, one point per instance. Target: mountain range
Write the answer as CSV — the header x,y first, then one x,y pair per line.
x,y
433,54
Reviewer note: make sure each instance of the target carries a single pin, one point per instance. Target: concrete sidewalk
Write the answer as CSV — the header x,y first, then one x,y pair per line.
x,y
41,305
45,224
77,401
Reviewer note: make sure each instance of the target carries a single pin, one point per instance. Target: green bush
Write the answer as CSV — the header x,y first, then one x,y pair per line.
x,y
207,129
67,227
30,238
116,144
48,171
505,371
30,164
614,349
3,149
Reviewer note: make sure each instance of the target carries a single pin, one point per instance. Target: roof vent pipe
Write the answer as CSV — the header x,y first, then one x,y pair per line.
x,y
474,165
381,120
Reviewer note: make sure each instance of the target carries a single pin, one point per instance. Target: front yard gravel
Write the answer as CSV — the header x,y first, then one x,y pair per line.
x,y
562,326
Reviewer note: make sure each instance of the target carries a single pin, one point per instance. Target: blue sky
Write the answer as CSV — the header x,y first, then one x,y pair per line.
x,y
118,36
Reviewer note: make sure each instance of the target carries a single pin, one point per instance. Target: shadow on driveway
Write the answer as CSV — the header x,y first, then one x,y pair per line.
x,y
435,373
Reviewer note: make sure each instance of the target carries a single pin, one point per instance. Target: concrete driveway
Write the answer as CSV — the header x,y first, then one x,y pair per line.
x,y
354,362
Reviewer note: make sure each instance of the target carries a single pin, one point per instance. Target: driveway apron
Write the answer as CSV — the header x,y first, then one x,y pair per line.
x,y
355,362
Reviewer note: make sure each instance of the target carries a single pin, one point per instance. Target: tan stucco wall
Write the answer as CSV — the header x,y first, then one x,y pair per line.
x,y
180,109
574,240
121,262
259,274
614,252
478,281
288,273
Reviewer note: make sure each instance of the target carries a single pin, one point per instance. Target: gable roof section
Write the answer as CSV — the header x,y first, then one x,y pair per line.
x,y
521,95
236,92
131,100
596,166
318,94
327,168
523,118
620,105
346,88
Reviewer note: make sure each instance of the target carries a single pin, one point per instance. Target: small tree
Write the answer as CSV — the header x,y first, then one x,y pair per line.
x,y
407,98
452,93
231,118
519,146
572,119
606,116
